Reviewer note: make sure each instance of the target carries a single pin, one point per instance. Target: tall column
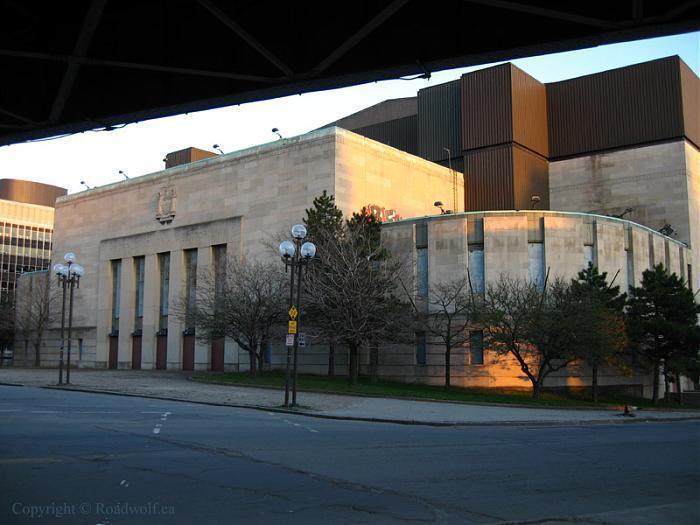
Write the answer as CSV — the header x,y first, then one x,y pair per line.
x,y
175,326
202,355
151,295
126,313
104,313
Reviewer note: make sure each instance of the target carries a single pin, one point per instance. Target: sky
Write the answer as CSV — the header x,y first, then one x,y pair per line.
x,y
139,149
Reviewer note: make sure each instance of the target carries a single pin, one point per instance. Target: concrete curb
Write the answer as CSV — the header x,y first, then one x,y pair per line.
x,y
534,423
451,401
408,398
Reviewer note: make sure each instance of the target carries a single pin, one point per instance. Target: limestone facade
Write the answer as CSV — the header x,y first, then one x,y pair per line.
x,y
241,201
660,183
526,245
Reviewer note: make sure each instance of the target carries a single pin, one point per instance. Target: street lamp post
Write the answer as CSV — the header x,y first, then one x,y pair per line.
x,y
69,275
295,255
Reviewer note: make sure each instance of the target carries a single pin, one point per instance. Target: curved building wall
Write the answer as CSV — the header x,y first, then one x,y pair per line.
x,y
526,245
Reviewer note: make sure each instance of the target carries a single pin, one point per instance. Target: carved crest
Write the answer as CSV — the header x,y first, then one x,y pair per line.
x,y
383,214
167,199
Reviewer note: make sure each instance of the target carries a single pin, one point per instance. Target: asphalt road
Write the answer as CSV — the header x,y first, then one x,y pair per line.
x,y
70,457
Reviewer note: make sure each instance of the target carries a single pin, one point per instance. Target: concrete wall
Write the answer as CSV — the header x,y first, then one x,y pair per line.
x,y
610,251
563,246
370,173
692,167
660,182
505,246
506,238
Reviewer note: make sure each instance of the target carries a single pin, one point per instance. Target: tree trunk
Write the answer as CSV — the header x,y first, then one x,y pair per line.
x,y
331,358
536,388
37,355
260,358
353,372
679,387
373,362
655,395
253,368
594,384
448,370
667,394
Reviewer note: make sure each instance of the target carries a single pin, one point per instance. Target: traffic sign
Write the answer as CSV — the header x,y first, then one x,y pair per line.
x,y
293,313
292,328
290,340
301,339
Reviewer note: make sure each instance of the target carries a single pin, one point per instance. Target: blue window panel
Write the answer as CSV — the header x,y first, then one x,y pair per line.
x,y
477,273
422,272
535,252
420,348
476,347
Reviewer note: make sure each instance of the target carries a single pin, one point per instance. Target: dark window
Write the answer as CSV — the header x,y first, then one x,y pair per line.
x,y
219,256
190,286
420,348
422,235
164,269
116,292
476,345
139,277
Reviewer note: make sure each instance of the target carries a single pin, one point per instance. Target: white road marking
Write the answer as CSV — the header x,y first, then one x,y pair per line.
x,y
163,418
299,425
98,412
46,411
11,410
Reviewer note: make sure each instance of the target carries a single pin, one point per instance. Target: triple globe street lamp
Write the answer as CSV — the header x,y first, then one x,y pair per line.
x,y
69,275
296,256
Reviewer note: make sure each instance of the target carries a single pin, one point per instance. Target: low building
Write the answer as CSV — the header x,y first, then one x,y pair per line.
x,y
529,245
141,239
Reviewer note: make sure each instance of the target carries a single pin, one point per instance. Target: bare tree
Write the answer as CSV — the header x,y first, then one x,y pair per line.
x,y
538,327
37,307
446,316
353,297
7,323
244,301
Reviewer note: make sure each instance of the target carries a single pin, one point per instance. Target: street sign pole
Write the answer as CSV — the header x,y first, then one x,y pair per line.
x,y
296,337
287,381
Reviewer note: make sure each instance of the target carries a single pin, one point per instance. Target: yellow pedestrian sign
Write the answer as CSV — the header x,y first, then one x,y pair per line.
x,y
293,313
292,329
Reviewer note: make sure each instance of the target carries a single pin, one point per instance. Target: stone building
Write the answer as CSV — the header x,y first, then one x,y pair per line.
x,y
521,244
140,240
622,142
612,181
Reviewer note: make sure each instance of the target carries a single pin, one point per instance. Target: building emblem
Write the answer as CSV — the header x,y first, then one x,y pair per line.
x,y
167,199
383,214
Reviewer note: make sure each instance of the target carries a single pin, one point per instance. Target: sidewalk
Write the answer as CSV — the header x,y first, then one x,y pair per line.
x,y
175,386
